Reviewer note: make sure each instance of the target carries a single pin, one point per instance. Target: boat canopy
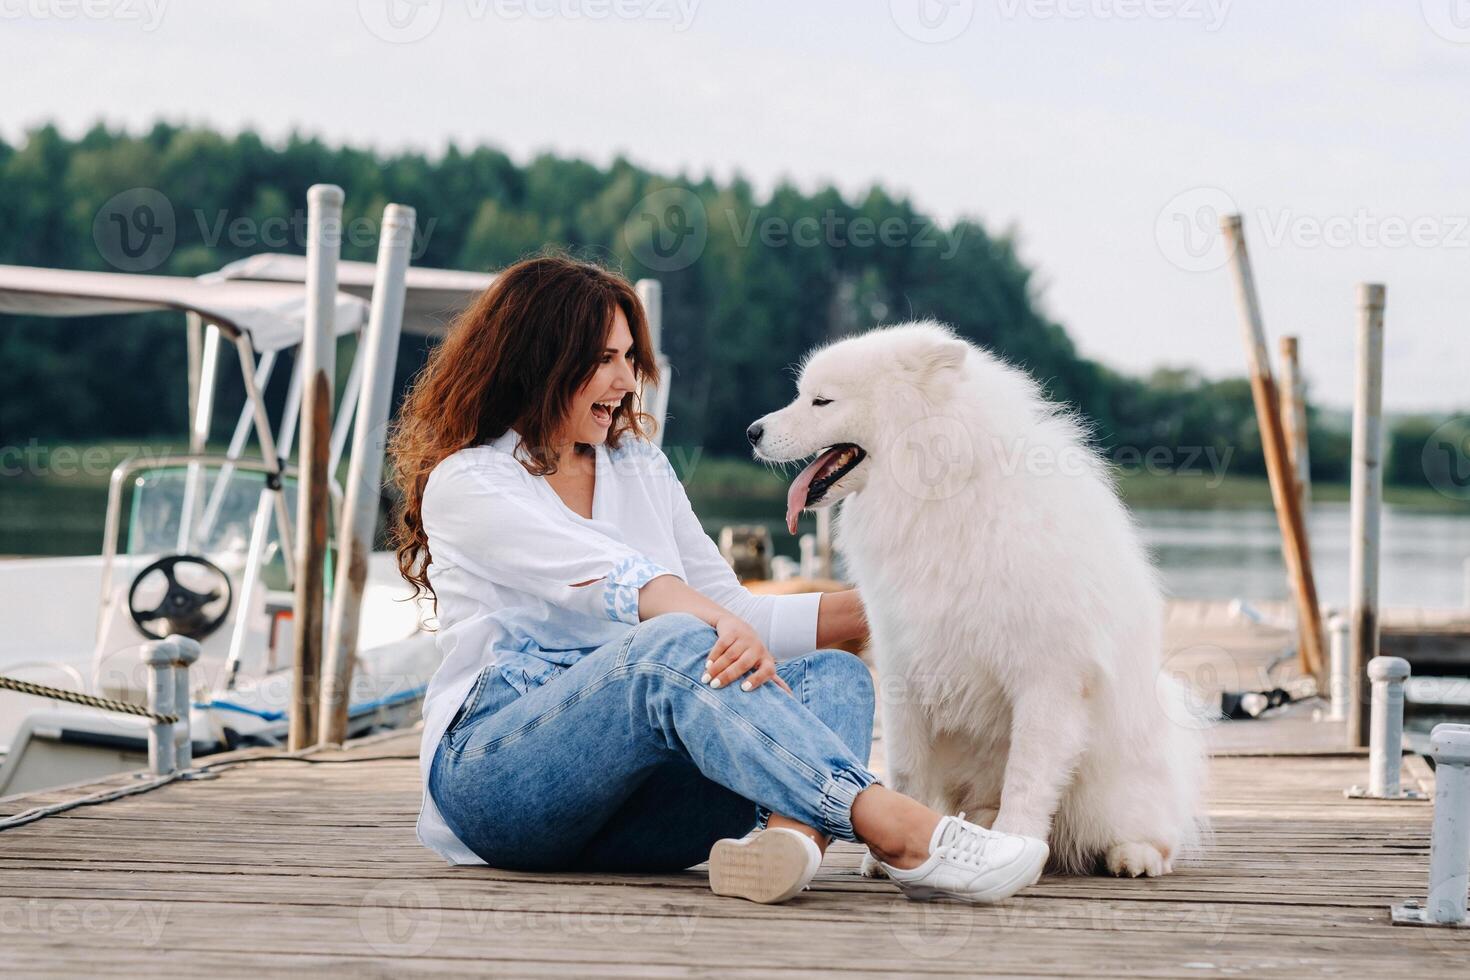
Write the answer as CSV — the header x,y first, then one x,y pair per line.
x,y
434,296
271,314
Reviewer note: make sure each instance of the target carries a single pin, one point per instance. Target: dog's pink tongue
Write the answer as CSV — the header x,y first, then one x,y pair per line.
x,y
796,496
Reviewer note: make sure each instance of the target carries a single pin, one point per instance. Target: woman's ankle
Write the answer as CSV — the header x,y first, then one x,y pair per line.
x,y
896,829
778,822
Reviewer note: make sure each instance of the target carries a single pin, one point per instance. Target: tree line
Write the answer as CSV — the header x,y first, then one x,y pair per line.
x,y
751,281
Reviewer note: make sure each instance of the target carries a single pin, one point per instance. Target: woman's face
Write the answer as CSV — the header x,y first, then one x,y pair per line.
x,y
592,406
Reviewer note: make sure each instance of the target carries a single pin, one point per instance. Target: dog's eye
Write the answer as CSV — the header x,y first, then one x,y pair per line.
x,y
819,402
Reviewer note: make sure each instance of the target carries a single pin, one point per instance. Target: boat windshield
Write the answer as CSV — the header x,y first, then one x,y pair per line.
x,y
225,513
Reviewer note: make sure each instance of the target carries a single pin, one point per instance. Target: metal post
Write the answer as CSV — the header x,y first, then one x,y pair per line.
x,y
159,658
1294,546
1386,739
655,399
1338,632
1367,501
199,423
1449,847
313,506
365,468
275,477
185,652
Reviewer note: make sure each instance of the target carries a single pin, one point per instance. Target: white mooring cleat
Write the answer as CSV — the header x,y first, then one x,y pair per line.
x,y
971,864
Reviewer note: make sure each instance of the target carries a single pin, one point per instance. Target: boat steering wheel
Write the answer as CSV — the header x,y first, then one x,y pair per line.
x,y
195,610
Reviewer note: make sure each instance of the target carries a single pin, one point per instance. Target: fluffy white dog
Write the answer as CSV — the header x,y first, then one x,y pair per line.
x,y
1016,619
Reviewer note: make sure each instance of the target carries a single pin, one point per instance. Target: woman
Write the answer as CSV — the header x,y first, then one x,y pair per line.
x,y
610,697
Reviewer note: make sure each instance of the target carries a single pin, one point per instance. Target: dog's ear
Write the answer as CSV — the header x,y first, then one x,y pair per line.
x,y
936,358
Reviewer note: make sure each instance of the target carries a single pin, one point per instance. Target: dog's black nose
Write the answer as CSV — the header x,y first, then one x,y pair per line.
x,y
755,432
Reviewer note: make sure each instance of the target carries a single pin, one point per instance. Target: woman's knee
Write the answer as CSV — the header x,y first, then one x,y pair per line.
x,y
843,677
678,639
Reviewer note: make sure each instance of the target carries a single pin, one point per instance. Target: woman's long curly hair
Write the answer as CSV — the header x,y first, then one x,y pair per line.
x,y
514,359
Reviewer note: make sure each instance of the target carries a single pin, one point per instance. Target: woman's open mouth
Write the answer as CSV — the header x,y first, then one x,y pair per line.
x,y
812,483
603,412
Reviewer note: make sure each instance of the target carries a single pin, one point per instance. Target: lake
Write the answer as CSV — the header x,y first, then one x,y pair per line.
x,y
1201,553
1224,554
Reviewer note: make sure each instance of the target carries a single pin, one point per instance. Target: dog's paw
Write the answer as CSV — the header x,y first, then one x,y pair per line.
x,y
1138,860
871,868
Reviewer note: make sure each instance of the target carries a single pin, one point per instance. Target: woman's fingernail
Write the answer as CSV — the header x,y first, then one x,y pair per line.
x,y
704,679
747,686
715,682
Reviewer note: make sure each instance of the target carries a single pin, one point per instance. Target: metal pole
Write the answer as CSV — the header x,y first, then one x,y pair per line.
x,y
1386,741
1339,634
1367,502
1449,846
199,422
313,505
275,477
655,399
159,658
365,468
1294,548
185,652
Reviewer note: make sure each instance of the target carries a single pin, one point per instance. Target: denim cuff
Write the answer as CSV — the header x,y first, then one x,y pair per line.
x,y
837,797
620,592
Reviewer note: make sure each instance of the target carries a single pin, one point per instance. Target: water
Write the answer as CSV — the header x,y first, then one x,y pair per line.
x,y
1201,554
1224,554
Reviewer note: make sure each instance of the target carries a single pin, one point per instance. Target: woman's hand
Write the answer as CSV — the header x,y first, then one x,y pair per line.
x,y
738,651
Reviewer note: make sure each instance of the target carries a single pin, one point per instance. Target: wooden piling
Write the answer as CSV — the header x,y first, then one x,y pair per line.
x,y
1274,446
1367,506
1294,418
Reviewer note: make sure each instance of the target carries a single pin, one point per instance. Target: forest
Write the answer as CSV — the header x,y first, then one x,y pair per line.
x,y
751,282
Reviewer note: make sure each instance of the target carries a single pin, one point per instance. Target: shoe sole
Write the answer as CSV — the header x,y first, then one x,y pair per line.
x,y
767,868
1028,875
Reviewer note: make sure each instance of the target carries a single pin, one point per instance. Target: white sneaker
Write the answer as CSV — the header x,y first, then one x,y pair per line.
x,y
767,867
972,864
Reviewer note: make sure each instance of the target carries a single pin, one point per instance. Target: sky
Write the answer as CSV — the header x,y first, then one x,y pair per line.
x,y
1106,134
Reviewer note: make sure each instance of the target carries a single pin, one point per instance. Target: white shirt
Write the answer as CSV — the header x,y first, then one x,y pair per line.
x,y
507,554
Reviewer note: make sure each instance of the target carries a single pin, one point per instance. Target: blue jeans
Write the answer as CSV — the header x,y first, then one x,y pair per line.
x,y
626,762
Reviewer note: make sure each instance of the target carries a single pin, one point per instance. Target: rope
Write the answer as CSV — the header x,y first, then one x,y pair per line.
x,y
124,707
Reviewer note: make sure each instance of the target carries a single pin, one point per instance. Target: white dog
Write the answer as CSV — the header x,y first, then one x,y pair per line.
x,y
1016,619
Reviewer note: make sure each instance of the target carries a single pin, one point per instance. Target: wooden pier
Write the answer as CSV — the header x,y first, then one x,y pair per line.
x,y
282,866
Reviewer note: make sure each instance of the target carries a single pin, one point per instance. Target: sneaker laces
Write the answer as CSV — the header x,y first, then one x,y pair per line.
x,y
964,842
